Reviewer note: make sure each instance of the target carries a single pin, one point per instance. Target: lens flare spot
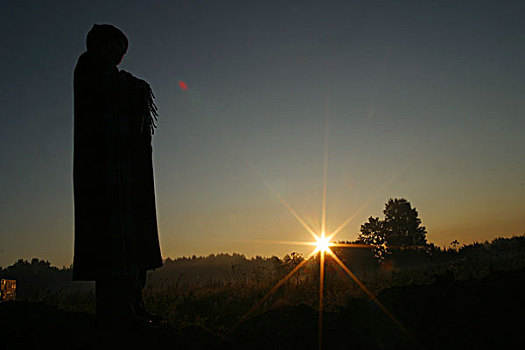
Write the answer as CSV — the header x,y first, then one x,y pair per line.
x,y
183,85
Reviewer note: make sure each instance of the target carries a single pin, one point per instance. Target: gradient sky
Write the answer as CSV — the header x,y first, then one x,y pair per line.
x,y
423,100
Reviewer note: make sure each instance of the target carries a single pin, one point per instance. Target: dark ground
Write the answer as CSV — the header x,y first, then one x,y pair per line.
x,y
486,313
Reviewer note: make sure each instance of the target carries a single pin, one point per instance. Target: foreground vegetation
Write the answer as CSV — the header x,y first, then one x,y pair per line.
x,y
218,290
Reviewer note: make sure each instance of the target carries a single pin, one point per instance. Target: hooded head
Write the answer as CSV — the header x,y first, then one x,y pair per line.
x,y
107,43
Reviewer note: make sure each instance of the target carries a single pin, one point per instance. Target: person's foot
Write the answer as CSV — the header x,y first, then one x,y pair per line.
x,y
122,322
131,322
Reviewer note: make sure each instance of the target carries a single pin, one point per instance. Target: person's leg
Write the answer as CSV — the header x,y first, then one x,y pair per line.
x,y
122,300
137,299
114,302
103,293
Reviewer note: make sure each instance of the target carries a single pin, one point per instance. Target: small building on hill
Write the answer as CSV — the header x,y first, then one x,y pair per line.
x,y
7,289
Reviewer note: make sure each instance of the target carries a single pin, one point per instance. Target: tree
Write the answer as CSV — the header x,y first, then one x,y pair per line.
x,y
402,225
400,228
372,233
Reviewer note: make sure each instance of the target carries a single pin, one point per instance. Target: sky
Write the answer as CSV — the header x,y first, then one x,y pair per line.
x,y
420,100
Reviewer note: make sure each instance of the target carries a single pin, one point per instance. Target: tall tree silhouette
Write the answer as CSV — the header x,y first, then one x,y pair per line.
x,y
402,225
401,228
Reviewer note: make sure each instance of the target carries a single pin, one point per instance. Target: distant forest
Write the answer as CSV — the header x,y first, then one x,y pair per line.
x,y
38,280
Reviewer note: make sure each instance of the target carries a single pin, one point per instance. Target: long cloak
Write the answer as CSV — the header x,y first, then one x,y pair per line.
x,y
115,214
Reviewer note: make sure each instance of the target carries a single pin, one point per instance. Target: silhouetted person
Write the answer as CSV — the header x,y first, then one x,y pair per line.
x,y
116,237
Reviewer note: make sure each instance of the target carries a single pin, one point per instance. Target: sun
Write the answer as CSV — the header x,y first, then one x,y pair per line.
x,y
323,244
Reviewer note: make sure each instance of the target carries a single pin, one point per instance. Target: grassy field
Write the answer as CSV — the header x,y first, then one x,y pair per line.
x,y
218,291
